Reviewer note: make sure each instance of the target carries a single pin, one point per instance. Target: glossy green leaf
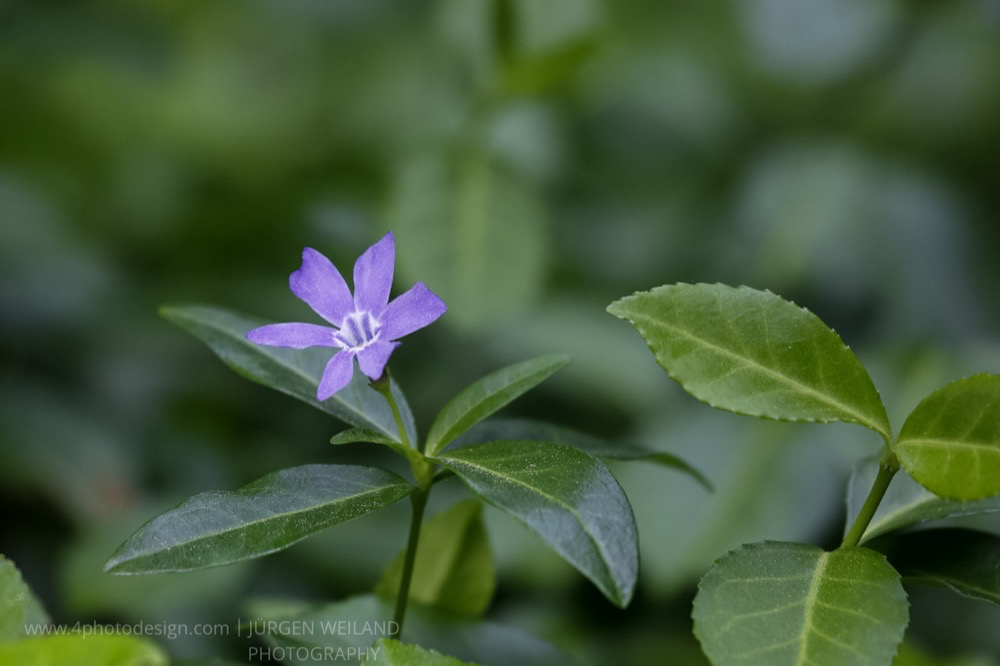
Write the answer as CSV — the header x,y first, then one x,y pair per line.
x,y
485,396
910,655
18,606
792,604
496,429
388,652
81,650
951,442
752,352
296,372
270,514
567,497
454,567
359,621
906,502
965,561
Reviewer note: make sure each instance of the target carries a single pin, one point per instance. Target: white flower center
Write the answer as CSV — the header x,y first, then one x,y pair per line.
x,y
357,331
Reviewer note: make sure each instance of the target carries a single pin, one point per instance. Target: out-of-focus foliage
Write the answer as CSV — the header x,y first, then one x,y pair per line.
x,y
536,160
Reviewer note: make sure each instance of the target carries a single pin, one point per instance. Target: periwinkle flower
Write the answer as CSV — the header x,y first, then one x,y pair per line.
x,y
366,325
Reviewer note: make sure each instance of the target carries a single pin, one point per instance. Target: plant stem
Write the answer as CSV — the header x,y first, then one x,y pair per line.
x,y
419,501
423,472
384,386
887,468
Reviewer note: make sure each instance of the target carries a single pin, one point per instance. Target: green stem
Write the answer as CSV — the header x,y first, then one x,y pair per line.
x,y
887,468
423,472
384,386
419,501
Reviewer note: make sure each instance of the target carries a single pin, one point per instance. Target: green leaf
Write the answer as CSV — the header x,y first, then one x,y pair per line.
x,y
495,429
454,567
567,497
388,652
910,655
951,442
786,604
752,352
270,514
18,606
366,436
906,502
357,622
82,650
965,561
485,396
296,372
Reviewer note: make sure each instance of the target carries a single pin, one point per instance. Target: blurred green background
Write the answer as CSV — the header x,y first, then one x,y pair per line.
x,y
536,160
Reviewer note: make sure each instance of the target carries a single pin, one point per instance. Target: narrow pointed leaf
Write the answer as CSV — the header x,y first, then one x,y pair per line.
x,y
485,396
792,604
265,516
906,503
81,650
951,442
18,605
454,569
296,372
366,436
965,561
567,497
752,352
388,652
496,429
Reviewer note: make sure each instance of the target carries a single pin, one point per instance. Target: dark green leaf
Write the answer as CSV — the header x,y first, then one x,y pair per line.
x,y
364,435
18,606
792,604
951,442
359,621
296,372
495,429
271,513
81,650
454,567
966,561
485,396
567,497
906,502
388,652
752,352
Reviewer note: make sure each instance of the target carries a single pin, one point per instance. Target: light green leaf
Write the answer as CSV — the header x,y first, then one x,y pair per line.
x,y
485,396
910,655
388,652
495,429
752,352
792,604
18,606
965,561
270,514
296,372
358,622
454,569
951,442
473,230
81,650
906,502
567,497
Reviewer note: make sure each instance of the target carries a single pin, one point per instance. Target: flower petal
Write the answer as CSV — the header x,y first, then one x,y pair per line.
x,y
373,276
294,335
411,311
373,358
336,375
322,287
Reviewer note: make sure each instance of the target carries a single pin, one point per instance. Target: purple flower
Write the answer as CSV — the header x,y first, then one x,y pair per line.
x,y
365,326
